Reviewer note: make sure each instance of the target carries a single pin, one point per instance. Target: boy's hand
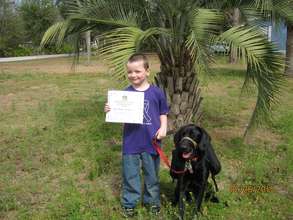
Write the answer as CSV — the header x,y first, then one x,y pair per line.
x,y
107,108
161,133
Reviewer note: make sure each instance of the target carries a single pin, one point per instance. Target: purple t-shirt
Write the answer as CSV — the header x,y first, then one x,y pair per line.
x,y
137,138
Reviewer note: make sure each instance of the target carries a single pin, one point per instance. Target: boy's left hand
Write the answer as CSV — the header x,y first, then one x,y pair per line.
x,y
161,133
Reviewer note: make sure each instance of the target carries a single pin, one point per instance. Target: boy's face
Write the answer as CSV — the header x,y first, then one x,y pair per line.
x,y
136,72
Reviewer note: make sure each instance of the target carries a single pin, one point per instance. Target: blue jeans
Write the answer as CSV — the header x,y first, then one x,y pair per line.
x,y
131,189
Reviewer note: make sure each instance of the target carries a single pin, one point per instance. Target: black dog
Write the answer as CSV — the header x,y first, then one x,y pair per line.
x,y
192,161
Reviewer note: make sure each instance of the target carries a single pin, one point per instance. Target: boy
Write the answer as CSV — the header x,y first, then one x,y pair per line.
x,y
137,140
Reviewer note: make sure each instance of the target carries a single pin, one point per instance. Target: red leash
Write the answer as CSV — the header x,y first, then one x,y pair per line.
x,y
165,158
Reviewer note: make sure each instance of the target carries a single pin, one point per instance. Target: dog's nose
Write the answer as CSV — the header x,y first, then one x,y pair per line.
x,y
184,146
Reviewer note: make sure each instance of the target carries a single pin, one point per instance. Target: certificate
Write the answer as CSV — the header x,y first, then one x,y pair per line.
x,y
126,107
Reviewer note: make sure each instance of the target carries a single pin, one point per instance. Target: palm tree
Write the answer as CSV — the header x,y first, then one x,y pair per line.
x,y
253,12
181,32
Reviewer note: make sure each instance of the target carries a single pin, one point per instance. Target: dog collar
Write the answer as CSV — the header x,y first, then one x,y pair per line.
x,y
191,140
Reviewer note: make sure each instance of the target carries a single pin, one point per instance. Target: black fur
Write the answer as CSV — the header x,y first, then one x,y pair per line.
x,y
195,180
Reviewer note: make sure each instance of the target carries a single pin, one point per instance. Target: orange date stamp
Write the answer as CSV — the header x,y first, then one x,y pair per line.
x,y
244,189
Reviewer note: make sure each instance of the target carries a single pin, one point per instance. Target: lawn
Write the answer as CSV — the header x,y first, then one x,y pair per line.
x,y
60,160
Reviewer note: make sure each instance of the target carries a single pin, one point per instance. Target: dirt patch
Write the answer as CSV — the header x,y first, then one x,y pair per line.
x,y
64,65
270,139
257,137
215,89
6,101
56,65
237,66
116,185
226,133
28,98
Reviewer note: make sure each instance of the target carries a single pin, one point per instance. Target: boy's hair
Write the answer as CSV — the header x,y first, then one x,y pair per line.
x,y
139,57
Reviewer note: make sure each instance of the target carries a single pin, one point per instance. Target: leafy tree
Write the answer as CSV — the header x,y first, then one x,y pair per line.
x,y
181,31
11,29
38,16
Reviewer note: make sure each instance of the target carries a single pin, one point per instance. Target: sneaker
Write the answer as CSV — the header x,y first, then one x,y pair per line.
x,y
128,212
155,210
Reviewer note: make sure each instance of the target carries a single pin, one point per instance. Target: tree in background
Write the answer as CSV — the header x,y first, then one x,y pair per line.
x,y
23,24
181,31
11,29
38,16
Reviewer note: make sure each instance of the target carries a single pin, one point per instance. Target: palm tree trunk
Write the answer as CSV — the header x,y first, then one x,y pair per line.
x,y
235,22
289,51
183,94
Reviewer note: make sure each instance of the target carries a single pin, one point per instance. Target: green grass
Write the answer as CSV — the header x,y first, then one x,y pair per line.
x,y
60,160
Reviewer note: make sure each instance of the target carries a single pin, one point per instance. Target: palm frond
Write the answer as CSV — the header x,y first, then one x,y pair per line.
x,y
199,53
264,68
204,24
284,9
121,43
205,21
103,12
55,34
276,9
88,15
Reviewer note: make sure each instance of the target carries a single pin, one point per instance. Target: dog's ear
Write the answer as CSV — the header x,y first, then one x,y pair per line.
x,y
205,138
179,134
212,159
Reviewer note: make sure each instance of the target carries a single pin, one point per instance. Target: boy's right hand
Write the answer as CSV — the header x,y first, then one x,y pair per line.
x,y
107,108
